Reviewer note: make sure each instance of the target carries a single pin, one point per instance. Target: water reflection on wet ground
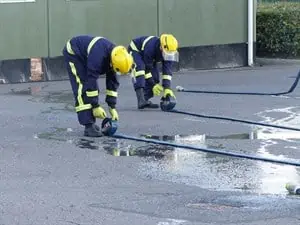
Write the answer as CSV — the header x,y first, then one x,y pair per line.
x,y
193,167
224,173
198,168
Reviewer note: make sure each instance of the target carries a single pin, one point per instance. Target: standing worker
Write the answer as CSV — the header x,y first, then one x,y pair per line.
x,y
87,57
147,51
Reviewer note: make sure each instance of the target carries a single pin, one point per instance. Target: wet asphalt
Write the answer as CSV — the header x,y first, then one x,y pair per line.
x,y
51,174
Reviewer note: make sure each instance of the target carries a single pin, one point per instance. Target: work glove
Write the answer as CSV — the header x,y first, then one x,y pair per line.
x,y
99,112
157,89
114,114
168,91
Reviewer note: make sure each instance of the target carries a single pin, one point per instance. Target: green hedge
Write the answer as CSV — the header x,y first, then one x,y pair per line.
x,y
278,29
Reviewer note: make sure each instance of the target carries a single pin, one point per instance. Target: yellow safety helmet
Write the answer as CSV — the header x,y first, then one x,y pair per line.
x,y
121,60
169,46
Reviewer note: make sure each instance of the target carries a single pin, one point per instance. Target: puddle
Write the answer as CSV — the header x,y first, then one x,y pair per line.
x,y
205,169
112,146
202,137
38,94
221,172
196,168
289,136
34,90
55,133
59,97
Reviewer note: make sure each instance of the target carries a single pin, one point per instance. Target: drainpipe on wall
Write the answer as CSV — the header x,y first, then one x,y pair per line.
x,y
250,31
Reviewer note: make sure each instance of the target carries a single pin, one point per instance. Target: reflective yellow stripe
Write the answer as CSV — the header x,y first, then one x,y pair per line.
x,y
167,77
91,44
79,92
148,75
139,73
92,93
69,48
145,41
132,45
83,107
111,93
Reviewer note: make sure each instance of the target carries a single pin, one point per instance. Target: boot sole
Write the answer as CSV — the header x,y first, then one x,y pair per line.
x,y
149,107
96,135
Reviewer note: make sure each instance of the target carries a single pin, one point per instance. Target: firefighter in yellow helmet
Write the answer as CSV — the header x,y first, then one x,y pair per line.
x,y
147,51
86,58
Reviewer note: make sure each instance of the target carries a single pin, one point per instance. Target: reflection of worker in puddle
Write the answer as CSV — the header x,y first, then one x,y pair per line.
x,y
166,156
119,148
86,58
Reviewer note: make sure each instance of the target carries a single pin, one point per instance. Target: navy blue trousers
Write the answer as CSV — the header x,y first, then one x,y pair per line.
x,y
141,81
77,72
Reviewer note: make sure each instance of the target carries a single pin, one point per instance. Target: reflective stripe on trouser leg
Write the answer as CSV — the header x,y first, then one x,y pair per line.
x,y
139,79
166,80
83,110
92,93
139,73
167,77
81,106
111,93
111,97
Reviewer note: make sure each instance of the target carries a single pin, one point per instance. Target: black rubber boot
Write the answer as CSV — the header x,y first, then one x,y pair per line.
x,y
152,105
142,103
149,94
97,127
92,130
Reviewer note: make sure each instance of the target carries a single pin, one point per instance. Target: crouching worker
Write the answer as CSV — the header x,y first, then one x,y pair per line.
x,y
86,58
147,51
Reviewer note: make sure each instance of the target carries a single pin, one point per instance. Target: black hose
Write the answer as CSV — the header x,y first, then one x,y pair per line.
x,y
292,88
234,120
214,151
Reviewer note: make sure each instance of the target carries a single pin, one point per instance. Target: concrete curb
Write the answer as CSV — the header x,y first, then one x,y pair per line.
x,y
276,61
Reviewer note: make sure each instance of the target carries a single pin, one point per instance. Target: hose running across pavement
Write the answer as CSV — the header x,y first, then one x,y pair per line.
x,y
292,88
234,120
220,152
208,150
215,151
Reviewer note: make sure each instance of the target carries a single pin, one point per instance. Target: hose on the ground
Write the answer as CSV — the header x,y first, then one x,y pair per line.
x,y
208,150
292,88
220,152
234,120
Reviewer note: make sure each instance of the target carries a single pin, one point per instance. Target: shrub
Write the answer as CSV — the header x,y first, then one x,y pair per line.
x,y
278,29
